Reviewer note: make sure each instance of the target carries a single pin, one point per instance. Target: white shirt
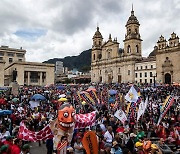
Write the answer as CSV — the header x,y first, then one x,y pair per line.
x,y
108,136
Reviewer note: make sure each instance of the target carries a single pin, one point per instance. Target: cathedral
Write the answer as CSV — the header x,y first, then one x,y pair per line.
x,y
111,64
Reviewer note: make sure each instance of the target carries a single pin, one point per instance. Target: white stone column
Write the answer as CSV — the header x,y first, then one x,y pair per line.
x,y
40,79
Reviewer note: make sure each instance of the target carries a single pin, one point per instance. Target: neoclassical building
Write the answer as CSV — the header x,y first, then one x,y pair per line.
x,y
112,64
27,73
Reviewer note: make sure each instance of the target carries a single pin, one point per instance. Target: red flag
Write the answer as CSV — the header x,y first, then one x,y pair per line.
x,y
28,135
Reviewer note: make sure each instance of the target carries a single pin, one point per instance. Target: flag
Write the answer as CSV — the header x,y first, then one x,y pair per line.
x,y
131,110
85,120
118,101
28,135
167,104
120,115
62,147
132,95
142,108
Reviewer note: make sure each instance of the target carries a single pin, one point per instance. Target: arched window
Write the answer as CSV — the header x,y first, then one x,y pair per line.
x,y
137,49
94,57
129,32
109,55
119,70
129,49
99,42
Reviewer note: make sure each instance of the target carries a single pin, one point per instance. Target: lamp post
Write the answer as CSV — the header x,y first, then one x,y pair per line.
x,y
154,77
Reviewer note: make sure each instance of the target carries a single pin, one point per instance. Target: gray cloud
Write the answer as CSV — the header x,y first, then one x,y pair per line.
x,y
70,24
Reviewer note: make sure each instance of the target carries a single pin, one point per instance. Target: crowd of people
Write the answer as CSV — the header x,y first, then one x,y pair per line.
x,y
131,137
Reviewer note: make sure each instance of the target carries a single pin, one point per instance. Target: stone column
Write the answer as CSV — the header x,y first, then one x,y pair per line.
x,y
40,79
28,79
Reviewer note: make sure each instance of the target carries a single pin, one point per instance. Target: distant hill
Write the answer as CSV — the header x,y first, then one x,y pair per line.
x,y
82,62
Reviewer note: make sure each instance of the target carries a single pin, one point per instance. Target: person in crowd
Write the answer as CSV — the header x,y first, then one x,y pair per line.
x,y
78,147
49,146
116,148
4,149
25,149
16,147
109,135
131,144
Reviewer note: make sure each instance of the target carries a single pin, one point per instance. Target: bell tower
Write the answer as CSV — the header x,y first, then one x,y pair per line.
x,y
97,46
132,42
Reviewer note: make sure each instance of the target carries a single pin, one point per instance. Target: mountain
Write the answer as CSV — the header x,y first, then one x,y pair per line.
x,y
82,62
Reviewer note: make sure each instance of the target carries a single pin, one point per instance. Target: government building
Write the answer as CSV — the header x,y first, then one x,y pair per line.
x,y
112,64
14,67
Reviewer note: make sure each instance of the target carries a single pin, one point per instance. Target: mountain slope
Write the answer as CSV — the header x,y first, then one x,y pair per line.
x,y
82,62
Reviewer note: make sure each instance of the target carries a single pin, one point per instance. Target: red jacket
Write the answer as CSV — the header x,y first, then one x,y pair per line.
x,y
15,149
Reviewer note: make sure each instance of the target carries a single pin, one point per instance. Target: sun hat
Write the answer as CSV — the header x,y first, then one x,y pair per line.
x,y
133,135
114,143
138,144
154,146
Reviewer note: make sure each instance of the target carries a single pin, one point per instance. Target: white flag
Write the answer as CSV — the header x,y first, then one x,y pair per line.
x,y
132,95
120,115
142,108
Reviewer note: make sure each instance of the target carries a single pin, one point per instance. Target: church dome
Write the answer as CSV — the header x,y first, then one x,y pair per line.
x,y
97,34
153,53
132,19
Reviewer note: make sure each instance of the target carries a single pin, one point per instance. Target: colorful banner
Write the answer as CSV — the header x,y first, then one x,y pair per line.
x,y
77,97
86,97
93,96
26,135
90,143
85,120
167,104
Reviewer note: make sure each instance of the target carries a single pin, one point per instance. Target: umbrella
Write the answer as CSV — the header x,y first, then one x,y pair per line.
x,y
111,100
112,92
62,99
61,87
38,97
15,100
5,112
62,95
47,91
91,88
3,88
2,101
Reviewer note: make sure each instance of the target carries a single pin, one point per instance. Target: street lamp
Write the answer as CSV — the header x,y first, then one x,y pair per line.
x,y
154,77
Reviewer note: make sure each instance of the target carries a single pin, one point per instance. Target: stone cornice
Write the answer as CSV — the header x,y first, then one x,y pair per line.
x,y
30,63
168,50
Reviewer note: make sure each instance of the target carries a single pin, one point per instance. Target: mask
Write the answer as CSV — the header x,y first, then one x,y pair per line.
x,y
66,117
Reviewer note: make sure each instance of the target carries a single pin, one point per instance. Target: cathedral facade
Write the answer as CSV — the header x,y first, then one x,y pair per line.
x,y
110,64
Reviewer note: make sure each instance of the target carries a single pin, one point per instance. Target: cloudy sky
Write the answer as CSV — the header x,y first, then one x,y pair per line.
x,y
59,28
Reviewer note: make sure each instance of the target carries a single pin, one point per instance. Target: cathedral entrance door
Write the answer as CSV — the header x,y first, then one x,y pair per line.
x,y
109,78
168,78
119,78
